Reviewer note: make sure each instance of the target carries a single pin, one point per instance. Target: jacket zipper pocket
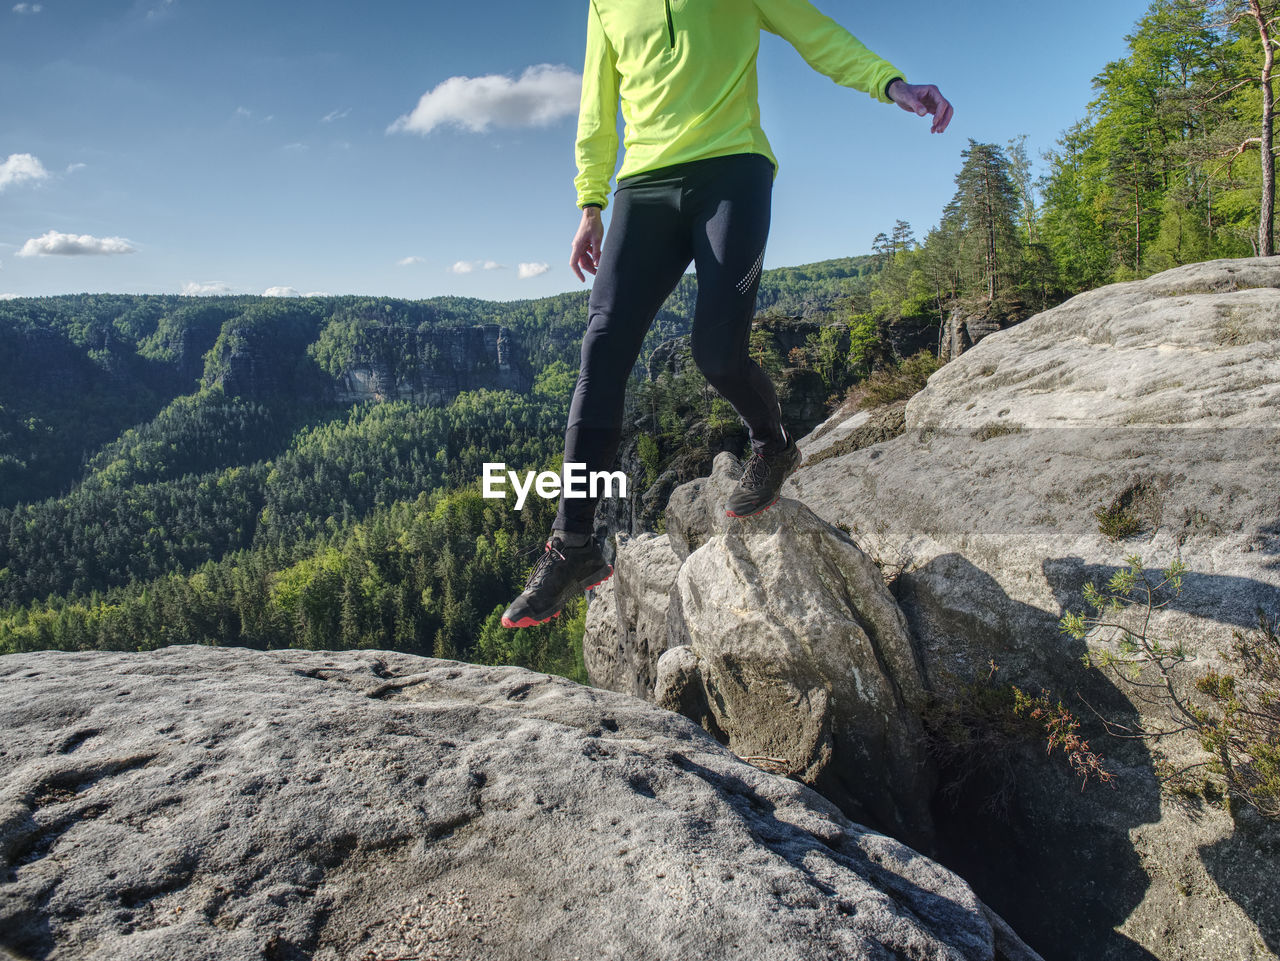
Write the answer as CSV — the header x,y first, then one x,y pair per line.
x,y
671,27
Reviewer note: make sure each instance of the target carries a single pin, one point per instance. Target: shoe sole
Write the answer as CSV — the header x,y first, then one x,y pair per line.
x,y
531,621
761,510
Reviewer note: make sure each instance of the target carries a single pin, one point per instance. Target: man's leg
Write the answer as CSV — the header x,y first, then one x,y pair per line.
x,y
644,254
729,240
731,228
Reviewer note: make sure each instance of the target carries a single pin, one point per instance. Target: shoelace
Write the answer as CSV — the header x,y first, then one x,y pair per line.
x,y
544,562
756,473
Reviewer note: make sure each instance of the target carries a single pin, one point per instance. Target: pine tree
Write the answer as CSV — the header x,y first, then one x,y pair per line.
x,y
985,209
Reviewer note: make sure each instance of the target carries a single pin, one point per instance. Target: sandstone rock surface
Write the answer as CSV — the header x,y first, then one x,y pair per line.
x,y
207,803
781,638
1159,399
630,625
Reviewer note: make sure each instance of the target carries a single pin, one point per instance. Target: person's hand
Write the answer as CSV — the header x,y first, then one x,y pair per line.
x,y
921,99
585,252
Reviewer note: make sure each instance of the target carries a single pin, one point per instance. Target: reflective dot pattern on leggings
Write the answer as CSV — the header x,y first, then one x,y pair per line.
x,y
745,283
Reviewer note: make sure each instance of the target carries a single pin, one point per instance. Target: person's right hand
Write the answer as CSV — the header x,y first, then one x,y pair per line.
x,y
585,253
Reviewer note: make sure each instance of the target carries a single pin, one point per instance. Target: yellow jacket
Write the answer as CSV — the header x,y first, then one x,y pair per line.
x,y
685,71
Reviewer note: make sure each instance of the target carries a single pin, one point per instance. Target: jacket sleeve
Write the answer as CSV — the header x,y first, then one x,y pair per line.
x,y
597,145
828,47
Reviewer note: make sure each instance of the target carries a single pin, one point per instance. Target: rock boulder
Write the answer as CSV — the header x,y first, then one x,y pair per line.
x,y
207,803
781,638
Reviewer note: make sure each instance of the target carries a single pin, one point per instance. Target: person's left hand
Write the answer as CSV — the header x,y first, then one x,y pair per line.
x,y
921,99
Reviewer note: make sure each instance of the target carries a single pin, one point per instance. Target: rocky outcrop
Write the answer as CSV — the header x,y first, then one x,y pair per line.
x,y
432,365
1157,400
262,354
964,329
982,504
1157,397
629,624
206,803
671,356
779,636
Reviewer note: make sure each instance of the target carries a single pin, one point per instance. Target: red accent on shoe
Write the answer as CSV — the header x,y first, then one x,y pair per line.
x,y
527,621
754,513
601,581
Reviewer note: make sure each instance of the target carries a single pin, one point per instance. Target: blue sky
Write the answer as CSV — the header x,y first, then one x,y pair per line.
x,y
157,146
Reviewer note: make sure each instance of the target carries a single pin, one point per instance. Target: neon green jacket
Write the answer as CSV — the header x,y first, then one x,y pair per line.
x,y
685,71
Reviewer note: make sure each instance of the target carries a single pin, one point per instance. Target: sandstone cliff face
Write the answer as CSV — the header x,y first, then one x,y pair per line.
x,y
963,330
427,365
207,803
1158,398
432,365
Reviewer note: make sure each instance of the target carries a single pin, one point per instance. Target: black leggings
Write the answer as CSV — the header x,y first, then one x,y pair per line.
x,y
716,213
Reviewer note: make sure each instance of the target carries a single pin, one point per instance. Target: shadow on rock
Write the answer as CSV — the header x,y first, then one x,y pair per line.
x,y
1225,598
1236,863
1057,862
878,857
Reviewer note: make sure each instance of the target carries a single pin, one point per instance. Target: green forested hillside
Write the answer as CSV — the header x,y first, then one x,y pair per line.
x,y
76,371
305,471
177,469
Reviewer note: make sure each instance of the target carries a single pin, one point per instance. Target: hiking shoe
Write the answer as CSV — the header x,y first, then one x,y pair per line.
x,y
560,573
758,489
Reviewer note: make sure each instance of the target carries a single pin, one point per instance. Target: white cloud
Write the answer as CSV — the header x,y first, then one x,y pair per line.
x,y
161,8
72,168
467,266
244,113
20,167
317,293
410,261
27,7
295,147
333,115
525,271
10,296
543,94
192,289
281,292
71,245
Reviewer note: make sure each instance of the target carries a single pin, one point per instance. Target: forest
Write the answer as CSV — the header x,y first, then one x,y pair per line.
x,y
181,469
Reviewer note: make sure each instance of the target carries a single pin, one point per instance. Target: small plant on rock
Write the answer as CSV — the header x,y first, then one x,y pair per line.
x,y
902,380
1117,522
1245,742
1235,717
975,727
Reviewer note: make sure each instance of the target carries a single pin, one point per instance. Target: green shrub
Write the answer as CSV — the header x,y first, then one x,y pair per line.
x,y
899,382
